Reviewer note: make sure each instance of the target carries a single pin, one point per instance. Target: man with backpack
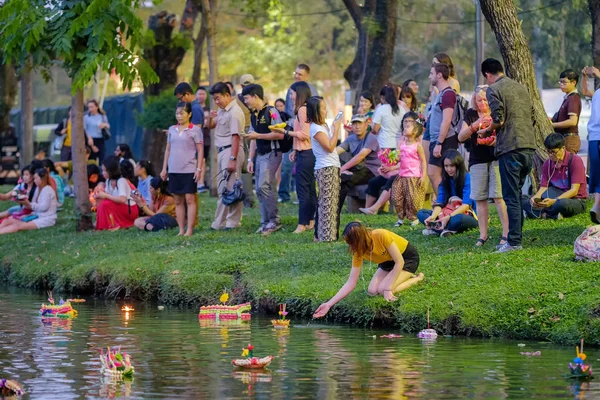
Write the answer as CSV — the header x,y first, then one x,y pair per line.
x,y
443,136
268,146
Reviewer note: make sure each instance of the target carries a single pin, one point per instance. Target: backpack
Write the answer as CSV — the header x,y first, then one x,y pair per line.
x,y
286,144
587,245
460,109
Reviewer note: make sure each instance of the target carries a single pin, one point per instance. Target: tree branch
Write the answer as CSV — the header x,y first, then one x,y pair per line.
x,y
355,12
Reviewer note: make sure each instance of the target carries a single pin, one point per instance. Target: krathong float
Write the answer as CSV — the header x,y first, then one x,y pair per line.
x,y
62,310
76,300
250,361
428,333
116,364
391,336
579,369
9,388
223,311
281,323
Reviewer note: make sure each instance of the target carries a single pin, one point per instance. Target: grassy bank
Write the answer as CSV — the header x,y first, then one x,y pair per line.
x,y
538,293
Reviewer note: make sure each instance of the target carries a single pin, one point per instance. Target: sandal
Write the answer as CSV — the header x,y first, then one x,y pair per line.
x,y
481,242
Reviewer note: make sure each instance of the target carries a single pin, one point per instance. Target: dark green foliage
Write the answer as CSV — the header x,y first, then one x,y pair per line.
x,y
159,111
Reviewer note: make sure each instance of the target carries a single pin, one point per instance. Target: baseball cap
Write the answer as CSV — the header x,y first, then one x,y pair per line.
x,y
359,118
246,79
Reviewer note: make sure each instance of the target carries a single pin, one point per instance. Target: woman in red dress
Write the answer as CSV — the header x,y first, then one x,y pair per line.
x,y
115,207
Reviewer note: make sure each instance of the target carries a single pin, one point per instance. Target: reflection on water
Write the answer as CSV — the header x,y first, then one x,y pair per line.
x,y
177,356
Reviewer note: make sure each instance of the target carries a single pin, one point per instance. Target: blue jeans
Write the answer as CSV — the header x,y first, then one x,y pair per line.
x,y
458,223
286,178
514,168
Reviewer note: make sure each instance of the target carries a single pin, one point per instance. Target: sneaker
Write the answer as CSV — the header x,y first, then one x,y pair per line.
x,y
296,202
280,200
414,223
430,232
446,233
260,230
271,227
505,248
202,189
398,223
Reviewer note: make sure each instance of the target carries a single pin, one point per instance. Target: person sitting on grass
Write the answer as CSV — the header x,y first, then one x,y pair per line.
x,y
26,187
452,212
114,208
60,184
144,172
397,259
44,207
563,188
160,211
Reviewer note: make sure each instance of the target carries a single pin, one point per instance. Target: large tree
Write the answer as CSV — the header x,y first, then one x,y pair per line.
x,y
375,21
8,92
502,17
82,36
594,7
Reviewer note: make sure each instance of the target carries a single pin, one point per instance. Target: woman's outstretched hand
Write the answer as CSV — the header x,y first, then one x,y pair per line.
x,y
389,296
322,310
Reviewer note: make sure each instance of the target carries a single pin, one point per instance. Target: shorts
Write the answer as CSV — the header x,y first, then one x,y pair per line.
x,y
485,181
160,222
182,184
594,170
411,260
449,143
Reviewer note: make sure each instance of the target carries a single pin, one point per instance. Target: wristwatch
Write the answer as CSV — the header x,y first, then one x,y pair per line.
x,y
232,158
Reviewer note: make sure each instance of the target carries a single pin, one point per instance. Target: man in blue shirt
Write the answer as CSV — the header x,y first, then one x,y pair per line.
x,y
185,93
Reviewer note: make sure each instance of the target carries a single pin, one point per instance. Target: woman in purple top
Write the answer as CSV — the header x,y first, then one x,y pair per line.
x,y
183,160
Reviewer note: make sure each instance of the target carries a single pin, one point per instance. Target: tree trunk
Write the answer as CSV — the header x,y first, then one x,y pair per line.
x,y
594,7
26,140
83,211
376,25
209,11
502,17
8,93
198,50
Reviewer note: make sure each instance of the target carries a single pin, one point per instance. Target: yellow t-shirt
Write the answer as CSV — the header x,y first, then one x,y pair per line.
x,y
382,239
67,141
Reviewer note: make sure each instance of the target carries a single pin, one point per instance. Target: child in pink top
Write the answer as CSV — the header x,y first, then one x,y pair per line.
x,y
410,186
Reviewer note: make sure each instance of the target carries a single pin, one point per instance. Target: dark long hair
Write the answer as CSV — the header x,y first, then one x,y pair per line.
x,y
124,147
408,92
48,163
459,177
159,184
147,165
313,110
111,164
33,186
358,238
303,93
127,171
389,95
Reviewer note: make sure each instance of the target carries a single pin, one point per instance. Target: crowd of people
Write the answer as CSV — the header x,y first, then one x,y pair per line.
x,y
461,155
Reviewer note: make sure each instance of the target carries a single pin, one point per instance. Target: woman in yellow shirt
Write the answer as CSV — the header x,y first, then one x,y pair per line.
x,y
398,261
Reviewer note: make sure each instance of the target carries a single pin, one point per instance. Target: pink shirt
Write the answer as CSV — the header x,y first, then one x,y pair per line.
x,y
302,130
410,163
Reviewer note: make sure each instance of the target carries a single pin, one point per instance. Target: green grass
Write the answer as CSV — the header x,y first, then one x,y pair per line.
x,y
537,293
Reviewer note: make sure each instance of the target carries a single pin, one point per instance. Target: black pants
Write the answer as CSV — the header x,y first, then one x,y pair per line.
x,y
565,207
514,168
101,154
362,176
379,183
305,186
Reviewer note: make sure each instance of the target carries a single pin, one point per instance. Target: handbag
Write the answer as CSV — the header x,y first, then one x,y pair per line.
x,y
105,131
236,194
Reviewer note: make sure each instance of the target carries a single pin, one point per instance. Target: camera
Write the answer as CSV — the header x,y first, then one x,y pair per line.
x,y
435,225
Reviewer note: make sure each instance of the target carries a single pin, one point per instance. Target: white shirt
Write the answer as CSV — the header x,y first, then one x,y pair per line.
x,y
594,122
323,157
391,126
122,188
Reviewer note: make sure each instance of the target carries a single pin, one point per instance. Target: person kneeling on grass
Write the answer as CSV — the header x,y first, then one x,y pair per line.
x,y
398,261
452,212
563,189
160,213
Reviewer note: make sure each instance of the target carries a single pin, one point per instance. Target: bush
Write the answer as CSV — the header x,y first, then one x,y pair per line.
x,y
159,111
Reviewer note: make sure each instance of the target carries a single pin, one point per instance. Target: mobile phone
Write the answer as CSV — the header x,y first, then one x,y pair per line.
x,y
135,193
537,200
338,116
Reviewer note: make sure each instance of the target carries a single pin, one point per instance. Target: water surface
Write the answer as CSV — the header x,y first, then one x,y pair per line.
x,y
177,356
